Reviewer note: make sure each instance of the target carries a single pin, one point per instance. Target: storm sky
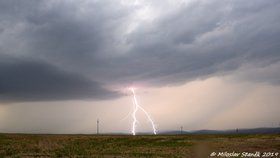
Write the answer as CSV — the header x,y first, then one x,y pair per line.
x,y
194,63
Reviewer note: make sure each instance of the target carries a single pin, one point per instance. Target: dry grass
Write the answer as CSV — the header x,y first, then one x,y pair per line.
x,y
20,145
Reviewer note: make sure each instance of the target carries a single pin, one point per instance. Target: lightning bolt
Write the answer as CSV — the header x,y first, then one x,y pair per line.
x,y
136,107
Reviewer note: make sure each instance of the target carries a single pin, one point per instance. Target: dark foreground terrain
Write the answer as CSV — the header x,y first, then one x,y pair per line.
x,y
192,146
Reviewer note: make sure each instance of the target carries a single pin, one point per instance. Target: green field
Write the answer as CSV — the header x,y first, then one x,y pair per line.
x,y
193,146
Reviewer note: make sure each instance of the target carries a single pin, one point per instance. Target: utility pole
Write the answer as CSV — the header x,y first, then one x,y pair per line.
x,y
181,130
97,126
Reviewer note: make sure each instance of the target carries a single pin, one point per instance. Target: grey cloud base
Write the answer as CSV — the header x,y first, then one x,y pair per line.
x,y
38,81
84,43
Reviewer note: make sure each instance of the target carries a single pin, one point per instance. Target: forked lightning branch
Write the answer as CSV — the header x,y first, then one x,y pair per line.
x,y
137,107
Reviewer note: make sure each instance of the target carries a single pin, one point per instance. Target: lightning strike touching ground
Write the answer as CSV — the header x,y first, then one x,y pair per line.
x,y
136,107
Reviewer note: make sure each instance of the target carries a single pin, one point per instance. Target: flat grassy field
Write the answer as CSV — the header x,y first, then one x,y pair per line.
x,y
187,146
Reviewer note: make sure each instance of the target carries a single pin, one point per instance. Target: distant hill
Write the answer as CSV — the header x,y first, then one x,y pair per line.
x,y
174,132
264,130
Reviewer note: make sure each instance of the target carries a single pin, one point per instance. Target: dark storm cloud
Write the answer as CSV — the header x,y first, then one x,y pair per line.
x,y
37,81
207,39
91,39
